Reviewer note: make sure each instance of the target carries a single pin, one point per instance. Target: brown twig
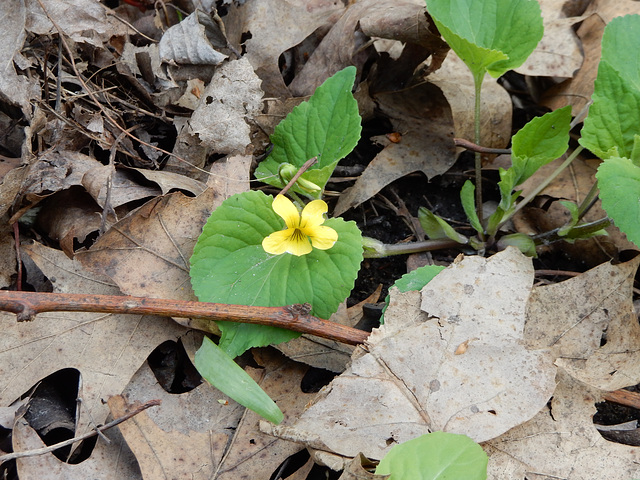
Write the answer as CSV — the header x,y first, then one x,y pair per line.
x,y
292,317
56,446
461,142
624,397
305,166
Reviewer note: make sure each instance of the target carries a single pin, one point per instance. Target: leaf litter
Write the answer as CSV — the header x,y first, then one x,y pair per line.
x,y
480,350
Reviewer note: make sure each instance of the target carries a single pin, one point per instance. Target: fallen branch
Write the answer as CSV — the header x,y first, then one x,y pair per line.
x,y
26,305
56,446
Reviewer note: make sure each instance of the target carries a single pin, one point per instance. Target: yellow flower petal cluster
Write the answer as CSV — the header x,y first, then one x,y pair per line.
x,y
303,230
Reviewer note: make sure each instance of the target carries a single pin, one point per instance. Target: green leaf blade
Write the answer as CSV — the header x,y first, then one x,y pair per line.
x,y
326,126
614,117
539,142
226,375
230,266
491,35
619,183
435,456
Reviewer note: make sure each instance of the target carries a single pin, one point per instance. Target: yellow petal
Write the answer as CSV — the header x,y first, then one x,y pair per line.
x,y
290,240
277,242
287,210
323,238
312,215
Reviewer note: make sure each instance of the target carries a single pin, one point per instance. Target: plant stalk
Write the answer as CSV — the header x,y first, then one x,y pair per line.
x,y
376,249
477,80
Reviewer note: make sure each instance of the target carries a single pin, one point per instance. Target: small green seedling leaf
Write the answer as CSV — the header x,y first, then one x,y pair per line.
x,y
326,126
522,242
539,142
489,35
229,265
435,456
467,197
222,372
575,212
619,182
437,228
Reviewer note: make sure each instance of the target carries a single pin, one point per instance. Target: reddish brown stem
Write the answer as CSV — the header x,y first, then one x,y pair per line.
x,y
461,142
292,317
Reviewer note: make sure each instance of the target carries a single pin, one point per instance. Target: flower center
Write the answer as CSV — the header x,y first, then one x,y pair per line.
x,y
298,236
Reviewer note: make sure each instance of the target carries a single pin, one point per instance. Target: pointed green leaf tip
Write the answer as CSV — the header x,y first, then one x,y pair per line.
x,y
230,265
226,375
435,456
326,126
489,35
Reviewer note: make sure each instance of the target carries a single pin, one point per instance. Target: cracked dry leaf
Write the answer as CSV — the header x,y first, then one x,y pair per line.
x,y
572,317
412,382
231,100
561,442
106,349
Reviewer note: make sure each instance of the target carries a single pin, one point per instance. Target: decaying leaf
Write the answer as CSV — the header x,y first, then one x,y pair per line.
x,y
105,349
410,382
422,115
562,442
233,97
573,317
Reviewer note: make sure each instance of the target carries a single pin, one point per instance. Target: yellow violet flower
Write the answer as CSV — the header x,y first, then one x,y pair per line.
x,y
300,229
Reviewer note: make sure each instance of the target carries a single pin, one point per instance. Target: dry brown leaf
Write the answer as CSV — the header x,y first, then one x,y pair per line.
x,y
8,262
558,54
275,26
456,82
232,99
411,382
15,89
186,435
105,349
168,181
107,460
571,317
356,470
147,253
193,41
423,117
562,442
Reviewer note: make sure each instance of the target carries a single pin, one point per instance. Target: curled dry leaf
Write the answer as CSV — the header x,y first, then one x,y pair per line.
x,y
233,97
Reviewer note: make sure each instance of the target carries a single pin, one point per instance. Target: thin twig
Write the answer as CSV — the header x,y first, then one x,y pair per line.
x,y
51,448
292,317
305,166
468,145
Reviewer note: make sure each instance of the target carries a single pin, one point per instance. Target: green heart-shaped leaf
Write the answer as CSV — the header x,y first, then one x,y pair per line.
x,y
229,265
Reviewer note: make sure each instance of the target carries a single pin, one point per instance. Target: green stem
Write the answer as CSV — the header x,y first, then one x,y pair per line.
x,y
477,80
375,249
588,201
577,232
